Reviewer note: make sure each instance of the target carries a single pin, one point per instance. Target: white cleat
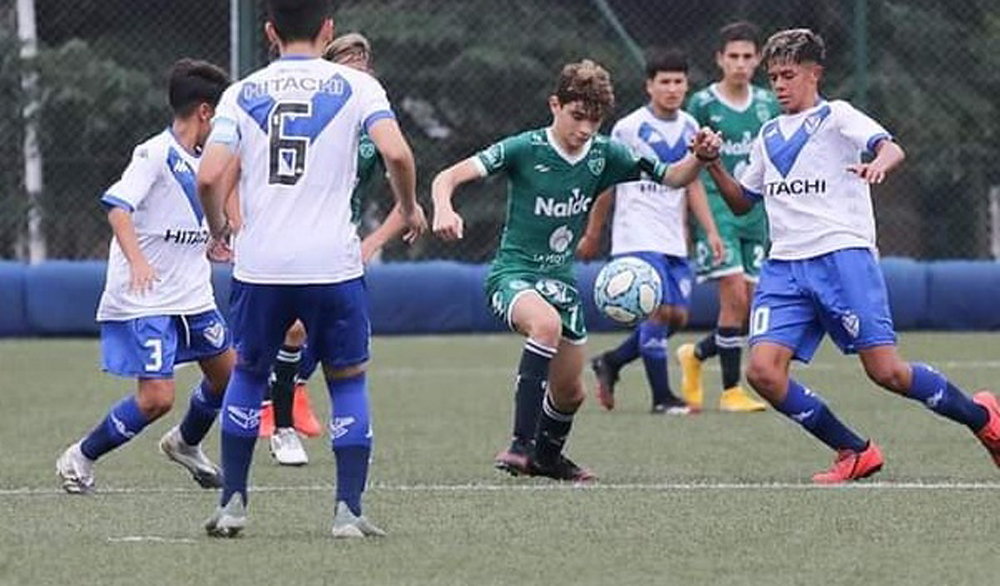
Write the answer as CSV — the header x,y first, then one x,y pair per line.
x,y
76,471
229,520
203,470
286,448
348,525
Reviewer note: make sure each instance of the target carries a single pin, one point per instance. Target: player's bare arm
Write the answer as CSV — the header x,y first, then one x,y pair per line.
x,y
393,226
889,155
590,242
448,225
143,275
729,188
215,182
697,200
402,172
704,148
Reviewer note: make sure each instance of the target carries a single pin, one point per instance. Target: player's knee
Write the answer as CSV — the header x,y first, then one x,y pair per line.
x,y
546,330
155,400
345,371
765,378
890,375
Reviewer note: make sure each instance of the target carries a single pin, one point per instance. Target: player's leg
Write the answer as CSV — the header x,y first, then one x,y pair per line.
x,y
142,349
729,340
653,346
205,339
607,365
286,448
563,397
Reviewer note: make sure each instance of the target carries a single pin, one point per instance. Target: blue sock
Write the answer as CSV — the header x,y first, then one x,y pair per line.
x,y
931,388
653,348
202,409
121,424
626,352
240,424
806,409
350,437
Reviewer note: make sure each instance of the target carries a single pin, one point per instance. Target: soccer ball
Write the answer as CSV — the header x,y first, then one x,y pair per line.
x,y
627,290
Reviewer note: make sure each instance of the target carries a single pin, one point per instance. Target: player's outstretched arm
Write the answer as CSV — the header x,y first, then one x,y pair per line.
x,y
704,149
143,275
402,172
590,242
448,225
216,180
730,188
888,156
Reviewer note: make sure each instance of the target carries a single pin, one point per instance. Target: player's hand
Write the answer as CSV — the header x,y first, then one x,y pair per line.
x,y
588,247
706,144
718,249
219,251
416,223
143,277
868,172
448,225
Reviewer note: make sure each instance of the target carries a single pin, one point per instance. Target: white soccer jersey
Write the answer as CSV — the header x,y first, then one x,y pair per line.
x,y
650,216
299,121
158,187
798,165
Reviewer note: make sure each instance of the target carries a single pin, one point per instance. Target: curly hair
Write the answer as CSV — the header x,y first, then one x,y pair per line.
x,y
589,83
797,45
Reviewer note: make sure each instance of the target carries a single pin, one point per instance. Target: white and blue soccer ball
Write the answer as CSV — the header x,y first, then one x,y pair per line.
x,y
627,290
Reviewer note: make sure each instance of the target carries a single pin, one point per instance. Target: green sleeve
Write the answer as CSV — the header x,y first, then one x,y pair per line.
x,y
503,154
623,166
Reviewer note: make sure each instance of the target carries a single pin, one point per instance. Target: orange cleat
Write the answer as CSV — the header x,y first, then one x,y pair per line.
x,y
304,419
851,465
989,435
266,420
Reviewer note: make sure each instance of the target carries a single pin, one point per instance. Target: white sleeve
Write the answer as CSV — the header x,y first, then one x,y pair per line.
x,y
752,178
858,128
225,123
136,181
374,103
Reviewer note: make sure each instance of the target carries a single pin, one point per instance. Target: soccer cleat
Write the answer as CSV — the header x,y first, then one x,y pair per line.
x,y
851,465
606,379
203,470
737,400
286,448
562,469
229,520
347,525
76,471
672,406
304,419
989,435
266,419
514,460
691,390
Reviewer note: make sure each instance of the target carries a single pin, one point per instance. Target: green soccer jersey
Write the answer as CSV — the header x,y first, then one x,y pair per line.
x,y
549,196
739,127
369,164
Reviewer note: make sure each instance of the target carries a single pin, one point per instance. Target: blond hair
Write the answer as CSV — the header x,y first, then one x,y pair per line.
x,y
589,83
349,47
796,45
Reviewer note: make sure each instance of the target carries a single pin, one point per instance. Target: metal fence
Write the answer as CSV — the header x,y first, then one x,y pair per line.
x,y
463,73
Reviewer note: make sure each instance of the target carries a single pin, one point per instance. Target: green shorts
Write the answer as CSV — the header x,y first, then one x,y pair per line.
x,y
504,289
745,239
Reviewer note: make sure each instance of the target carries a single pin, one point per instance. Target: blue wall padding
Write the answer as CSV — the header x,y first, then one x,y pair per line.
x,y
12,313
962,295
60,297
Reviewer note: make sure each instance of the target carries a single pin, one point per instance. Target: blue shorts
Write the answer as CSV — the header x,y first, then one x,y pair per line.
x,y
149,347
675,275
841,293
335,317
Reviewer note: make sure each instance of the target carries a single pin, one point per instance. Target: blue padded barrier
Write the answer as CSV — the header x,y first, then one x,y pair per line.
x,y
61,297
962,295
12,313
906,280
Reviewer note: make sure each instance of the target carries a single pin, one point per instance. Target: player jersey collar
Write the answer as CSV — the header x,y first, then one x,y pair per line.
x,y
652,112
571,159
173,137
714,88
296,57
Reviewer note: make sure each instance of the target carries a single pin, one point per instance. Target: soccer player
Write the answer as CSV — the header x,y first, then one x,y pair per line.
x,y
554,173
822,275
736,109
293,128
157,309
649,223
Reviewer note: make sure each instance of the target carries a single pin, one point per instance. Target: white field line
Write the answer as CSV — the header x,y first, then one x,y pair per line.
x,y
553,487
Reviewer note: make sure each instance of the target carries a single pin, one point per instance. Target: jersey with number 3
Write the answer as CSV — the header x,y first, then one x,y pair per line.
x,y
799,168
299,121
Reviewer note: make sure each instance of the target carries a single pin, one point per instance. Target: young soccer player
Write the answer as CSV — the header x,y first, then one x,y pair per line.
x,y
554,174
157,309
736,109
289,409
822,275
649,223
293,128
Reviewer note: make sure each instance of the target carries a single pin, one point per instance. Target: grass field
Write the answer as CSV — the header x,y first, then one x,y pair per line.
x,y
712,499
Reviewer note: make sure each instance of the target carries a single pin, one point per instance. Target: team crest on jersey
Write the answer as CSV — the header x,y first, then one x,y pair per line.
x,y
596,165
852,324
560,238
215,334
763,112
367,150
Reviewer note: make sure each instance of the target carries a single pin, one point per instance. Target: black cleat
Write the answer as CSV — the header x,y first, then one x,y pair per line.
x,y
672,406
514,460
562,469
607,377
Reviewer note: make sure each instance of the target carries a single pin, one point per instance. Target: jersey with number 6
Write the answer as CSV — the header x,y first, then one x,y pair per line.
x,y
550,194
299,121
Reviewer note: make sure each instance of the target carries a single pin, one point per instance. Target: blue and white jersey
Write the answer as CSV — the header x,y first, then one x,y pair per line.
x,y
798,166
158,187
650,216
298,124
